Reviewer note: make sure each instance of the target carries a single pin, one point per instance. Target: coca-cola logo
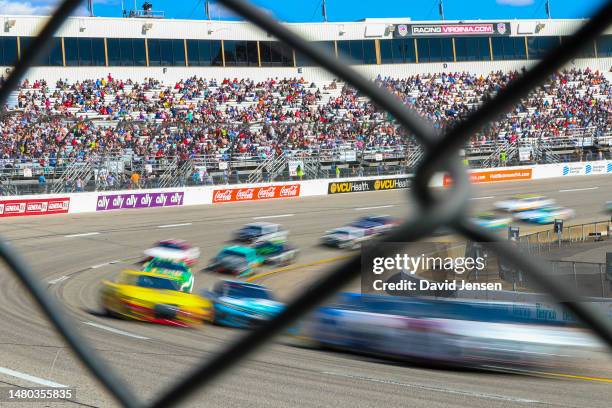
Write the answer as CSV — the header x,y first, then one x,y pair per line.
x,y
267,192
245,194
223,195
289,191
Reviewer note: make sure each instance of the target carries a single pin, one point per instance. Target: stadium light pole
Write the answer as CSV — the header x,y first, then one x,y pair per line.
x,y
441,9
207,9
324,10
90,6
547,8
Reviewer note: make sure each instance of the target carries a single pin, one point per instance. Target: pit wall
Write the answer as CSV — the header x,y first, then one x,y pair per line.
x,y
86,202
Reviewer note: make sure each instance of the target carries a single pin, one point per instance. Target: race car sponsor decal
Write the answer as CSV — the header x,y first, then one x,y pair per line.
x,y
392,183
43,206
493,176
139,200
228,195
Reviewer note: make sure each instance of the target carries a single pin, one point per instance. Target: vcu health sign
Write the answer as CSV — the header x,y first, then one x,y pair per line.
x,y
368,185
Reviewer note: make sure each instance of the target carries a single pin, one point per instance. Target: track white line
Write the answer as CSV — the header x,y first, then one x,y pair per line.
x,y
31,378
104,264
175,225
58,280
263,217
482,198
116,331
374,208
84,234
578,189
475,394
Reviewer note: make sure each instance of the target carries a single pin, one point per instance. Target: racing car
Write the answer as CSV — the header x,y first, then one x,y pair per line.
x,y
375,224
261,231
491,221
464,333
240,260
346,237
155,298
175,269
546,215
241,304
524,202
175,250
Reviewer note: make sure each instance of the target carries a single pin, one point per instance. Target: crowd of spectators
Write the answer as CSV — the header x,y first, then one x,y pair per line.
x,y
109,116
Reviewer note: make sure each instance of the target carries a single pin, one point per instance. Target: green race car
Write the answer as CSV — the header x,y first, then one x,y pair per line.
x,y
172,268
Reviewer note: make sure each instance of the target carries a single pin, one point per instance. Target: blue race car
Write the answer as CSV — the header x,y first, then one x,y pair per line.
x,y
242,304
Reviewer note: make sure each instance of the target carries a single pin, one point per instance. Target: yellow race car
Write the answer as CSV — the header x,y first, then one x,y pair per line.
x,y
155,298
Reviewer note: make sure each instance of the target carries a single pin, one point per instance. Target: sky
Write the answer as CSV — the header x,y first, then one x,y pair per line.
x,y
337,10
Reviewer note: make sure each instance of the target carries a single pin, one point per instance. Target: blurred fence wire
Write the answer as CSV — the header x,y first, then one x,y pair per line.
x,y
433,211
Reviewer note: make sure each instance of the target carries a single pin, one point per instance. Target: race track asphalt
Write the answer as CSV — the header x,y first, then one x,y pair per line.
x,y
148,358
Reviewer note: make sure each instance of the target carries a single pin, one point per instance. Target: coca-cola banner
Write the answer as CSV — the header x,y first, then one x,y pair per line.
x,y
42,206
229,195
453,30
139,200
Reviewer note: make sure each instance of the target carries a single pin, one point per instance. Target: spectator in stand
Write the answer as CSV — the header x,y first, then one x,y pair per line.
x,y
135,180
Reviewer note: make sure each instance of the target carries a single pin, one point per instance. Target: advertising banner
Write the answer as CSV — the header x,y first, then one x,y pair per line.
x,y
524,153
229,195
139,200
586,168
293,165
456,30
42,206
494,176
392,183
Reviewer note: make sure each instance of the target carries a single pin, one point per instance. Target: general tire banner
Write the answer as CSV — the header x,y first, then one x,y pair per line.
x,y
229,195
494,176
391,183
42,206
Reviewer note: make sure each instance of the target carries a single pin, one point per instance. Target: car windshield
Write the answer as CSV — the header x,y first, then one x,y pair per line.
x,y
155,282
163,264
231,252
172,245
251,229
239,291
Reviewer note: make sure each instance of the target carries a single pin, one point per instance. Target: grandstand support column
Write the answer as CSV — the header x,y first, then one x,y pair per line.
x,y
146,51
63,52
377,51
223,52
105,52
186,56
258,55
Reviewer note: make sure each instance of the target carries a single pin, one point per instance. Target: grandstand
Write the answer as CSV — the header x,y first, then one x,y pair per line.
x,y
116,96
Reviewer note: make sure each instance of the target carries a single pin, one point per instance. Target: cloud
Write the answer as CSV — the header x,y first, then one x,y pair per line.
x,y
40,7
516,3
26,7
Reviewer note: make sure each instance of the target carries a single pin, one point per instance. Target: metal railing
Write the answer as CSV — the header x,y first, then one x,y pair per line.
x,y
441,154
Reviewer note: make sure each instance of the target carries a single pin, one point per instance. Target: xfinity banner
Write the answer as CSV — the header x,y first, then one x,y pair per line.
x,y
139,200
391,183
455,30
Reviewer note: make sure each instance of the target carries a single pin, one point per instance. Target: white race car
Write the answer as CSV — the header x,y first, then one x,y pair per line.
x,y
174,250
345,237
524,202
